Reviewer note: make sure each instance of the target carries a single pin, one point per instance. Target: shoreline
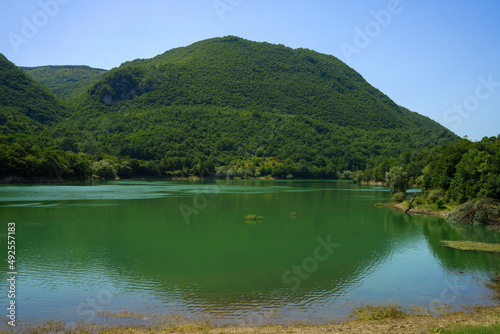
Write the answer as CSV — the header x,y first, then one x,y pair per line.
x,y
479,316
417,210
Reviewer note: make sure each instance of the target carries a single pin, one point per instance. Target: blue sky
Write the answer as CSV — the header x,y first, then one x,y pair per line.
x,y
438,58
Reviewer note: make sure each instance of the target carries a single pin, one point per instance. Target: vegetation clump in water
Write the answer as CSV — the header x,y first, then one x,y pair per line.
x,y
471,246
252,218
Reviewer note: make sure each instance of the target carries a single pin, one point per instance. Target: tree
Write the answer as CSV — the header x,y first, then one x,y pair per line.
x,y
104,169
397,180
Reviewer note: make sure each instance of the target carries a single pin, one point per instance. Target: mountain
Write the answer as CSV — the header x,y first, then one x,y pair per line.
x,y
240,74
229,100
29,144
65,81
223,107
24,103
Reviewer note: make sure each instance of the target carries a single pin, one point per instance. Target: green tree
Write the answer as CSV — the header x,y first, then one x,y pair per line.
x,y
397,180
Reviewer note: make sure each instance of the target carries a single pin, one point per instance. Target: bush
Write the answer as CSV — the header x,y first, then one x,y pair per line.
x,y
440,203
435,195
104,169
398,197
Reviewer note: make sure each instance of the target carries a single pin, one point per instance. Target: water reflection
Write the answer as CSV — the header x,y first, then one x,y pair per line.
x,y
132,237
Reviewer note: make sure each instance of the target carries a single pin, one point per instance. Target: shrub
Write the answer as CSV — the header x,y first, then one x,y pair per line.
x,y
398,197
440,203
435,195
104,169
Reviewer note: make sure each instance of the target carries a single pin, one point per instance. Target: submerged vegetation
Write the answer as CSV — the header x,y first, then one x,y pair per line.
x,y
253,218
472,246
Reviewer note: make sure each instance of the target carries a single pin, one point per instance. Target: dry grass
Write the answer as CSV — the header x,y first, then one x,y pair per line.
x,y
378,312
370,320
124,314
471,246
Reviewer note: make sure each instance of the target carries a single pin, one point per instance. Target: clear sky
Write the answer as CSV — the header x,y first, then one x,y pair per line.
x,y
439,58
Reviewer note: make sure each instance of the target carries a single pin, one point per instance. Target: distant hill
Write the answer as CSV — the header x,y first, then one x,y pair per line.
x,y
24,103
31,146
65,81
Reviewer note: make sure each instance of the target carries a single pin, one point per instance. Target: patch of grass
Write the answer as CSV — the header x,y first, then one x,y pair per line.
x,y
471,246
494,329
174,322
378,312
51,326
121,314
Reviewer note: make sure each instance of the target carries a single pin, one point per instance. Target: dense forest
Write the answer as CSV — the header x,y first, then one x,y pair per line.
x,y
226,107
65,81
457,172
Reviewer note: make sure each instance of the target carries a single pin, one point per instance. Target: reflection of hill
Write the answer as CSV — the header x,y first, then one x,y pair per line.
x,y
217,258
217,261
436,229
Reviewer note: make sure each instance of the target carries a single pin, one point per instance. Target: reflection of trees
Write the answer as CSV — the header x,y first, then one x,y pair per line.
x,y
409,227
217,259
436,229
220,260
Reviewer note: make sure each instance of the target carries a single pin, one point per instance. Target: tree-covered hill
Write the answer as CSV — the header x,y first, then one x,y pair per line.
x,y
66,81
227,100
28,114
239,74
24,104
221,107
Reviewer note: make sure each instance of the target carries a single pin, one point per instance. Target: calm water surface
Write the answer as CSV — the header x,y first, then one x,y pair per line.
x,y
162,246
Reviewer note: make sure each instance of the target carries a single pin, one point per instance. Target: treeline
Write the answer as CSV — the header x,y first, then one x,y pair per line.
x,y
452,173
225,107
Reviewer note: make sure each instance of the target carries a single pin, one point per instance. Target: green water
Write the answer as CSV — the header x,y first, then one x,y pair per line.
x,y
161,246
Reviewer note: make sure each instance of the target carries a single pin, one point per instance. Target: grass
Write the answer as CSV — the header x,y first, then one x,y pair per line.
x,y
171,322
122,314
378,312
471,330
471,246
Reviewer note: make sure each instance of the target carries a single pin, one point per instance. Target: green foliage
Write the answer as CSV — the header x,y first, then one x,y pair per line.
x,y
491,329
397,180
23,99
65,81
224,107
440,203
466,170
104,169
435,195
398,197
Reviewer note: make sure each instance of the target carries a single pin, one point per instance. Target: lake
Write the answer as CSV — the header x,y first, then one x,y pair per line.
x,y
315,250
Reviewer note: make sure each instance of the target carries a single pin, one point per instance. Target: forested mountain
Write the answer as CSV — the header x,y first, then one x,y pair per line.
x,y
24,100
231,107
65,81
28,113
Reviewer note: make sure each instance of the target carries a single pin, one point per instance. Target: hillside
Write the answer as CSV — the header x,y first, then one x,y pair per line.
x,y
65,81
228,101
29,113
24,100
222,107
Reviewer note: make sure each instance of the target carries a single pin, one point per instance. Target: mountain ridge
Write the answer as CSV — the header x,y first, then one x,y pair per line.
x,y
227,107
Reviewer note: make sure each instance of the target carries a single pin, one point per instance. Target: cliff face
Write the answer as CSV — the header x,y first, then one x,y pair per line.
x,y
484,211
